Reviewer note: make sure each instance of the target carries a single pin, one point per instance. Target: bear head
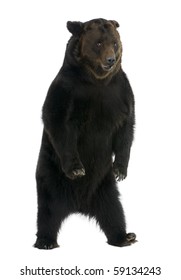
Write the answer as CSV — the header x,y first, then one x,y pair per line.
x,y
98,46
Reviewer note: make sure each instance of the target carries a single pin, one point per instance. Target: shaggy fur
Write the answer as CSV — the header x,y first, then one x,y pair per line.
x,y
88,118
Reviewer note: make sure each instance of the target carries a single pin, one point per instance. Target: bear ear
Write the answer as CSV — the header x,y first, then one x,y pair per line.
x,y
75,27
115,23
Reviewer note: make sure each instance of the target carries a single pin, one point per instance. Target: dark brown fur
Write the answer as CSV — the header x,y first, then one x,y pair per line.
x,y
88,118
98,32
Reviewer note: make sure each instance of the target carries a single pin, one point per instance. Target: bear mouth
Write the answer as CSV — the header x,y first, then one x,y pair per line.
x,y
107,67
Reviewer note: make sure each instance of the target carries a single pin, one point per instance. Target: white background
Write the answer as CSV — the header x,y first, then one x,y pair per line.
x,y
32,43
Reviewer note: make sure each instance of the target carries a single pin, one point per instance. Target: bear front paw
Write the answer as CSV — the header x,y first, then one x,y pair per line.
x,y
120,172
119,175
76,173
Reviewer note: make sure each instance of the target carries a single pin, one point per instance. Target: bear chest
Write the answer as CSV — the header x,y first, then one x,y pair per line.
x,y
100,109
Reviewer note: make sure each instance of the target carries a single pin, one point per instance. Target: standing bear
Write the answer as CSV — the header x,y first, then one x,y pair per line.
x,y
88,118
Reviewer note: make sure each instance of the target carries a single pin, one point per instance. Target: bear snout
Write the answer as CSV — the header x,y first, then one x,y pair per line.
x,y
109,63
110,60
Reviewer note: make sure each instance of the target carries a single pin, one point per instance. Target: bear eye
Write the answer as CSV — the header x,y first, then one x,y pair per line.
x,y
115,44
99,44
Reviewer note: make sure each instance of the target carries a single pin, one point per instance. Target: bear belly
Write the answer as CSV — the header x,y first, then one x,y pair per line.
x,y
95,151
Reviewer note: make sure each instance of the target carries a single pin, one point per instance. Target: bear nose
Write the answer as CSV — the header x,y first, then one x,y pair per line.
x,y
110,60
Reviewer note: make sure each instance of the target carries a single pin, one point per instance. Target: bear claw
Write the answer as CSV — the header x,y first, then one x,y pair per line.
x,y
127,241
77,173
118,175
131,236
130,239
45,244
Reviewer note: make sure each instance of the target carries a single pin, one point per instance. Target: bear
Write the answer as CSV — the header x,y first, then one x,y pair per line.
x,y
88,129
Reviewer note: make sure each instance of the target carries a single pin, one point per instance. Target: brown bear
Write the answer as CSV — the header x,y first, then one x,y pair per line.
x,y
89,119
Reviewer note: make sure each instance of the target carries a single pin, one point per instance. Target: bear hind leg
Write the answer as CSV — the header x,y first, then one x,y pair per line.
x,y
47,229
109,214
52,210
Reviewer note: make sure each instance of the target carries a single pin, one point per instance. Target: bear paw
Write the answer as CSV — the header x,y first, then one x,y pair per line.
x,y
130,239
45,244
127,241
77,173
119,175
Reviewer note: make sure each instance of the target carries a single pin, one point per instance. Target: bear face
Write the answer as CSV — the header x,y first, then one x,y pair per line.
x,y
99,47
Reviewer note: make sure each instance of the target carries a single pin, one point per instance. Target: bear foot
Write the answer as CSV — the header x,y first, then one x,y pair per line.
x,y
127,241
45,244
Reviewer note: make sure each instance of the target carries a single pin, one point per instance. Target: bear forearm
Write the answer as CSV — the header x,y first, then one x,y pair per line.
x,y
121,147
120,164
65,146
